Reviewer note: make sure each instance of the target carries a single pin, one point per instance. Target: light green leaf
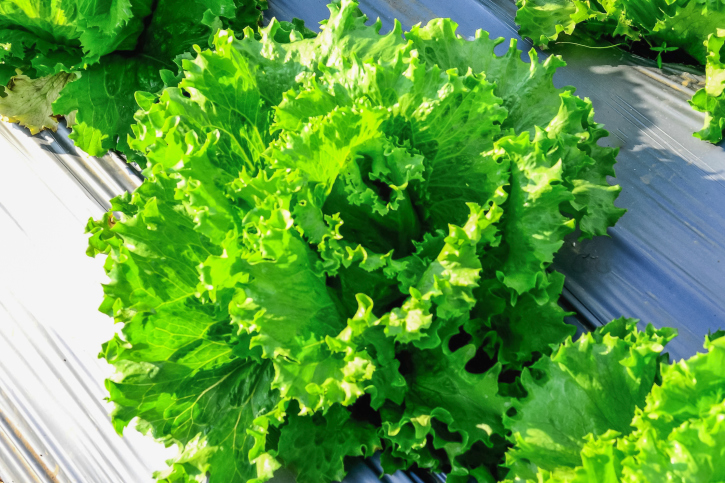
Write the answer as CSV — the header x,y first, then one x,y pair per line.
x,y
534,228
586,387
711,99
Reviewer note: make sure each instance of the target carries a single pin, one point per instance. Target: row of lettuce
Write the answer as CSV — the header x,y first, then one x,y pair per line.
x,y
342,247
343,244
85,59
696,27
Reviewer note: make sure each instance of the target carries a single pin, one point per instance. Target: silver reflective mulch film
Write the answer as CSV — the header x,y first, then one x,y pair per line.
x,y
54,424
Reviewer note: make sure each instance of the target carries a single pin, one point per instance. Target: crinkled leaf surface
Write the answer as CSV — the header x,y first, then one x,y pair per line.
x,y
711,98
316,446
81,30
676,436
458,412
104,95
586,387
103,99
28,101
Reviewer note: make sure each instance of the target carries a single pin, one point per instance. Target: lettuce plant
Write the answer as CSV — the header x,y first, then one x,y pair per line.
x,y
605,409
85,59
711,99
692,25
341,247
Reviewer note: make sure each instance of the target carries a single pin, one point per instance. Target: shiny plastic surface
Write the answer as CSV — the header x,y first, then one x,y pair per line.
x,y
54,424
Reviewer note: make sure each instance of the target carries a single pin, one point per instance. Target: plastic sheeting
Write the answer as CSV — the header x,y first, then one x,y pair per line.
x,y
665,260
54,424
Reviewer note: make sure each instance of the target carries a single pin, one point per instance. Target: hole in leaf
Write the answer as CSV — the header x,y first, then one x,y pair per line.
x,y
459,340
406,362
362,411
480,363
384,191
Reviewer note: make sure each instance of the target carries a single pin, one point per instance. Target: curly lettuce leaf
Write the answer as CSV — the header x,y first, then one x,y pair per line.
x,y
28,101
711,98
183,377
81,31
562,122
316,446
679,433
586,387
544,20
680,24
536,228
691,452
676,436
103,98
524,330
116,48
514,80
459,412
103,101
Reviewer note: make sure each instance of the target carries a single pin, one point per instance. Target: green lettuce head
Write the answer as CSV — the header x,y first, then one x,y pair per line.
x,y
341,247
